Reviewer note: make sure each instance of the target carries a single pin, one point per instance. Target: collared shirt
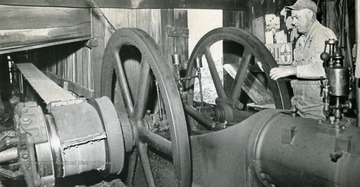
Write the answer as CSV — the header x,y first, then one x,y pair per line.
x,y
309,68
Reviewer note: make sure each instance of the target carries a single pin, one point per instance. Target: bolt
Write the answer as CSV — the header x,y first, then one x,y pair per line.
x,y
25,156
25,119
262,176
238,105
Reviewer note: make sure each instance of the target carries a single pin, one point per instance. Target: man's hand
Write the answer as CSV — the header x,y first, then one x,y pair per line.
x,y
280,72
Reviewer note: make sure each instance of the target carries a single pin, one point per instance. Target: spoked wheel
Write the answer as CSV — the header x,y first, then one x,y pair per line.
x,y
250,51
137,79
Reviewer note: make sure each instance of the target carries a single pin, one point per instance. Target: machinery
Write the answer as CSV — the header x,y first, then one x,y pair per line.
x,y
150,108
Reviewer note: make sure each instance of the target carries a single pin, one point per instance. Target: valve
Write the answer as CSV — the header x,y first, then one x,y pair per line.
x,y
336,85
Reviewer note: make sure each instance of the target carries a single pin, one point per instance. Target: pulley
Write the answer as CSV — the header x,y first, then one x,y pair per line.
x,y
72,138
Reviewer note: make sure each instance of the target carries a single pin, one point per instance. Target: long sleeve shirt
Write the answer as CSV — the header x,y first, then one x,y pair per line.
x,y
310,69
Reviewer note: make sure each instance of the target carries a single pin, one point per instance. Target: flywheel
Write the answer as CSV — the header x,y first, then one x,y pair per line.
x,y
136,77
250,56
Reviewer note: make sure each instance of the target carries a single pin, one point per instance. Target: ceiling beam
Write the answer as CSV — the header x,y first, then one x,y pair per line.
x,y
134,4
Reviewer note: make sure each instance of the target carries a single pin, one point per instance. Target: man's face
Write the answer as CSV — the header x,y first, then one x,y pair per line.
x,y
301,19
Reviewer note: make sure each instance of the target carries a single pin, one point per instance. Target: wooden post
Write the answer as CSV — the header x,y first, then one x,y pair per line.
x,y
98,27
5,88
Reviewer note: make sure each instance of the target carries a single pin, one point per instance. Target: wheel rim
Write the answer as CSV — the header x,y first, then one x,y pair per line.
x,y
130,85
252,48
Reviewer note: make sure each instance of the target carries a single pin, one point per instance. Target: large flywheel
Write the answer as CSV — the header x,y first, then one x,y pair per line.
x,y
250,54
136,77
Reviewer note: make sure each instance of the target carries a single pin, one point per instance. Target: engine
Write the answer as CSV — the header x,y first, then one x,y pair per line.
x,y
233,146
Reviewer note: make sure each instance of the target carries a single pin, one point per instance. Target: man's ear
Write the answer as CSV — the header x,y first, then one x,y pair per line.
x,y
311,14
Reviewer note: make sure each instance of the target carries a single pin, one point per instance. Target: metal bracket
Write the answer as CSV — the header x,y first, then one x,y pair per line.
x,y
64,102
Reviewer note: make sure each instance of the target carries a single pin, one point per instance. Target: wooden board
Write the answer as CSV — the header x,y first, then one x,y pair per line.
x,y
46,88
23,28
131,4
252,86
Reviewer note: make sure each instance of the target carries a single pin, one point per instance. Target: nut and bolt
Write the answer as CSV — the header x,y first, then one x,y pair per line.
x,y
263,176
25,156
25,120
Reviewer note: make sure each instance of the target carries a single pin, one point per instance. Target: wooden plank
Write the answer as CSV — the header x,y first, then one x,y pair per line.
x,y
258,27
79,67
252,86
23,17
181,42
88,70
98,26
24,28
239,19
134,4
46,88
39,46
71,86
5,88
167,20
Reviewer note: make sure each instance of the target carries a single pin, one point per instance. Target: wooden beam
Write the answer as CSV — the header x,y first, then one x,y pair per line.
x,y
24,28
134,4
5,89
71,86
99,26
258,92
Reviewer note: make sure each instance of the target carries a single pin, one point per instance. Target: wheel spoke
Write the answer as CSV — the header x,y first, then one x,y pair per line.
x,y
123,84
214,74
136,83
156,141
143,91
144,158
241,74
131,168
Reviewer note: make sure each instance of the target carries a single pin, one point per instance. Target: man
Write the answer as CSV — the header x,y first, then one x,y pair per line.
x,y
307,65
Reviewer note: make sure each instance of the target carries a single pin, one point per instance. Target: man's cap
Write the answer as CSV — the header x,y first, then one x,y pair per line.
x,y
302,4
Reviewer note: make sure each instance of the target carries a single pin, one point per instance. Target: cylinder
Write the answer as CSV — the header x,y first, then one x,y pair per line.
x,y
176,59
274,149
301,152
8,155
339,81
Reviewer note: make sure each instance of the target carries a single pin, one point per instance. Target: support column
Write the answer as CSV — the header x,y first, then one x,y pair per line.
x,y
5,89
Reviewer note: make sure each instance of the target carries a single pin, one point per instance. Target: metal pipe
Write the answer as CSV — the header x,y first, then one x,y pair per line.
x,y
8,155
208,123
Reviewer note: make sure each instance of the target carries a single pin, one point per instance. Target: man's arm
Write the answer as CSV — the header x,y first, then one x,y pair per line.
x,y
282,71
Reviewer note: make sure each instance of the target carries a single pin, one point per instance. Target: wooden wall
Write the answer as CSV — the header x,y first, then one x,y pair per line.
x,y
76,66
24,28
